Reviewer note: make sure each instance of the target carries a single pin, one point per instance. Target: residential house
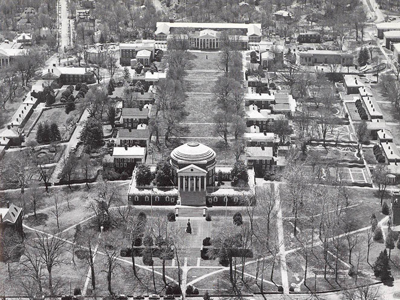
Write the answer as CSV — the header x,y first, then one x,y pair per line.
x,y
24,39
8,55
390,38
67,76
11,217
132,117
260,120
391,152
386,26
144,57
309,37
126,158
128,51
282,20
384,136
13,134
261,159
352,83
373,108
256,139
133,137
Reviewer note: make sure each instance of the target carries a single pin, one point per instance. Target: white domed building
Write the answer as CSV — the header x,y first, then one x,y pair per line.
x,y
194,167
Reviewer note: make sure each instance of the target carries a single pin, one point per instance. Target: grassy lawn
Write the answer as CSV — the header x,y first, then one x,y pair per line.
x,y
395,130
389,114
353,112
197,85
201,108
200,130
369,156
204,61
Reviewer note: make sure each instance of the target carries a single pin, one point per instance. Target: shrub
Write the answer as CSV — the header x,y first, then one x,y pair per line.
x,y
374,224
195,291
385,209
190,290
147,257
173,289
77,291
70,106
171,217
148,241
237,219
66,93
378,235
124,175
381,159
84,88
78,86
207,241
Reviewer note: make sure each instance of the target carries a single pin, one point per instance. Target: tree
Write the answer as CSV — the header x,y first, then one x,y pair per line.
x,y
239,174
27,65
70,106
127,74
385,209
390,241
381,266
282,128
363,57
55,134
164,175
40,133
50,251
378,235
57,211
380,177
111,63
92,133
237,219
87,165
362,133
111,114
222,128
70,164
19,169
111,262
143,175
8,86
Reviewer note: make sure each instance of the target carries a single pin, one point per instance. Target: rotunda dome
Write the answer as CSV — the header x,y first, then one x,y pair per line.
x,y
192,153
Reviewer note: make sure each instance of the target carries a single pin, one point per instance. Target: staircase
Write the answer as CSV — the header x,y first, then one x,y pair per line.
x,y
193,198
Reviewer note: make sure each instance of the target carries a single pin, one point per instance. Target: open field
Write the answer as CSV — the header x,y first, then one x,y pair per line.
x,y
204,60
200,108
353,112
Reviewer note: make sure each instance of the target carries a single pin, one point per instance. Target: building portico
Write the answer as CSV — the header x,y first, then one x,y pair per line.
x,y
192,179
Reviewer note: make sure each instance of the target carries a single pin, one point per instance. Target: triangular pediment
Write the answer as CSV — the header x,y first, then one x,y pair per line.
x,y
191,169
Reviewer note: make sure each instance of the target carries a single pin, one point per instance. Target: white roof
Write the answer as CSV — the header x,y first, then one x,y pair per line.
x,y
254,30
372,106
70,71
133,152
350,81
385,134
396,46
259,136
143,53
164,27
392,34
388,26
391,151
13,52
155,76
258,97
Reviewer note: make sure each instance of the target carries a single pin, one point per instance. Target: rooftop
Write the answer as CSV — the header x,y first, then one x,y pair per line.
x,y
193,152
392,34
135,112
372,106
385,135
164,27
135,151
353,81
259,152
391,151
388,25
10,215
259,136
139,134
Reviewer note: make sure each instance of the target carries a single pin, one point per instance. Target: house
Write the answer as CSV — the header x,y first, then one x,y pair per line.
x,y
352,83
132,117
261,158
384,136
375,126
96,54
390,38
282,20
260,120
24,39
11,218
8,55
140,98
373,108
133,137
207,35
396,52
309,37
128,51
330,57
262,101
126,157
386,26
11,133
391,152
144,57
256,139
67,76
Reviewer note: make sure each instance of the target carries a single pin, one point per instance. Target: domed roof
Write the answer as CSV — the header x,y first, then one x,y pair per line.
x,y
193,153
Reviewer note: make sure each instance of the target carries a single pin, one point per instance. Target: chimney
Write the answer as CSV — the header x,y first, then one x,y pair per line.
x,y
126,147
130,129
391,152
8,127
384,135
262,148
259,110
12,125
140,108
8,204
48,70
265,133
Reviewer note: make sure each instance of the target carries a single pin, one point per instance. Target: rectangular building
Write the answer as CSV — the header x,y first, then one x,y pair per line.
x,y
390,38
317,57
386,26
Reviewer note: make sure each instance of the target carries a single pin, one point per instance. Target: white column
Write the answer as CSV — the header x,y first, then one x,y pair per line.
x,y
179,183
199,182
190,181
184,183
194,183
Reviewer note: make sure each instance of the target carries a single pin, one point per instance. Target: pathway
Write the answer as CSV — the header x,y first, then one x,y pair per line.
x,y
281,241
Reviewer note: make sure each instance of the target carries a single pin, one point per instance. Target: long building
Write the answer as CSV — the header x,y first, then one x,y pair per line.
x,y
387,26
207,35
316,57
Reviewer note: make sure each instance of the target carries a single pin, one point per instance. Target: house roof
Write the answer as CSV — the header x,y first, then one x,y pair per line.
x,y
24,36
365,91
281,107
392,34
11,214
385,135
254,30
396,46
135,112
259,136
135,134
9,133
258,97
164,27
391,151
70,71
353,81
4,141
372,106
376,124
259,152
388,25
134,151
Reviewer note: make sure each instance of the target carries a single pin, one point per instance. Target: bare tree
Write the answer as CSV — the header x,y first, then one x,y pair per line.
x,y
57,210
50,250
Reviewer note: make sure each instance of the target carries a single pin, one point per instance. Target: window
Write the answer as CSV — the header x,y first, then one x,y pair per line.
x,y
146,198
167,198
236,199
215,199
136,198
157,198
225,199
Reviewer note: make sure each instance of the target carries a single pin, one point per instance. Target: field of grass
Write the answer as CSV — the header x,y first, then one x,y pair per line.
x,y
200,108
353,112
204,60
